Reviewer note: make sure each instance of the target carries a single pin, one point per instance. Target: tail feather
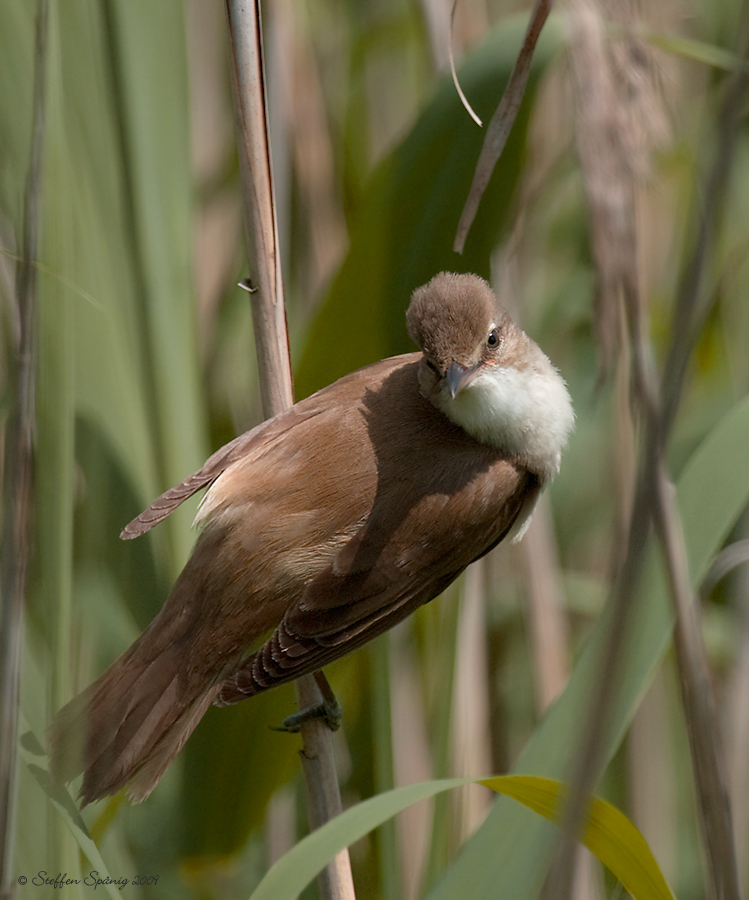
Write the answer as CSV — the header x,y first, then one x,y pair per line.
x,y
169,746
127,727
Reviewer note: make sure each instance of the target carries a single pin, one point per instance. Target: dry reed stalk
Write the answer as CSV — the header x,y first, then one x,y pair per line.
x,y
654,500
260,220
471,736
436,16
694,304
708,761
736,719
651,773
317,755
17,472
501,122
605,158
549,638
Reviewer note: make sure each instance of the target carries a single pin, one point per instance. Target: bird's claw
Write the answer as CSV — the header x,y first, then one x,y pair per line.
x,y
329,711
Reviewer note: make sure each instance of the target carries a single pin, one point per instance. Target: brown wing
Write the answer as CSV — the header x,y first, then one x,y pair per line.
x,y
388,570
226,456
265,434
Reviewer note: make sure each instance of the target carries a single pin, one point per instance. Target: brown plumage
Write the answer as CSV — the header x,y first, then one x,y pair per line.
x,y
322,528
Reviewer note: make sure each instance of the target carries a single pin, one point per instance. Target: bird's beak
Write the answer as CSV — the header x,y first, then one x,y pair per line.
x,y
459,377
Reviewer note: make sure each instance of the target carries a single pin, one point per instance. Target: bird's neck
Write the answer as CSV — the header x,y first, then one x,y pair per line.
x,y
525,412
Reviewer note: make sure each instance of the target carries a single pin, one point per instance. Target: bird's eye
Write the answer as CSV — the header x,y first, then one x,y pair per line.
x,y
494,340
433,366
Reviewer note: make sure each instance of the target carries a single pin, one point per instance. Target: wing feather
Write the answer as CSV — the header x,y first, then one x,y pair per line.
x,y
262,435
369,588
266,434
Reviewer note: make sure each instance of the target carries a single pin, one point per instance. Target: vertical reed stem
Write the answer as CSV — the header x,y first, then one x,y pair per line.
x,y
16,482
271,339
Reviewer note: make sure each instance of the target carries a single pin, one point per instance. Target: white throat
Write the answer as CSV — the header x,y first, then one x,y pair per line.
x,y
526,412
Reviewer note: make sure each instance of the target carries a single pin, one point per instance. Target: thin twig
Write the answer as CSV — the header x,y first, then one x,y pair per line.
x,y
17,475
501,122
463,99
318,758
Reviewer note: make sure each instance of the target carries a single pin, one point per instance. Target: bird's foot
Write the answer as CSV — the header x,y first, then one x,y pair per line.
x,y
329,711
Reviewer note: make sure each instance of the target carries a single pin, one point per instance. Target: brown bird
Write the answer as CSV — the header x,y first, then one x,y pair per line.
x,y
327,525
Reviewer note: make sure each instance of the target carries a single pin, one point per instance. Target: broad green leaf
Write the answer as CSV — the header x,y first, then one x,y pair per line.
x,y
608,834
151,68
505,856
118,365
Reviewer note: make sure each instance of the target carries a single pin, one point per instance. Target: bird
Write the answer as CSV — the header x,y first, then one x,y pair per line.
x,y
325,526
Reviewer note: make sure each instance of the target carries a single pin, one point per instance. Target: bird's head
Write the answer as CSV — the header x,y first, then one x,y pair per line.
x,y
485,374
461,330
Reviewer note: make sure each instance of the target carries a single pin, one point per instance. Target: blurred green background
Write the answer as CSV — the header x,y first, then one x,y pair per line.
x,y
145,364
